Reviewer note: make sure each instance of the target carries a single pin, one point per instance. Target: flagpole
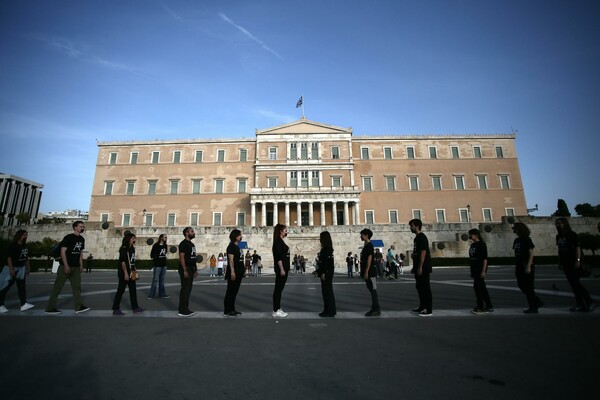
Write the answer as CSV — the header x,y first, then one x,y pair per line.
x,y
302,106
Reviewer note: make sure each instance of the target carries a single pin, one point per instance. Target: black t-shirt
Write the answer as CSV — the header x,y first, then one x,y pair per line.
x,y
326,261
127,256
421,243
567,249
255,258
367,251
189,250
521,246
238,259
477,254
281,252
75,245
159,255
18,254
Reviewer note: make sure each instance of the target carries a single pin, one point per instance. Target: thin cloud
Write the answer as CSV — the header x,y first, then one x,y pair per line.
x,y
171,12
62,45
275,116
250,35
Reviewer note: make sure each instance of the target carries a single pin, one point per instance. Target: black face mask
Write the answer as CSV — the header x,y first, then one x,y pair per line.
x,y
83,230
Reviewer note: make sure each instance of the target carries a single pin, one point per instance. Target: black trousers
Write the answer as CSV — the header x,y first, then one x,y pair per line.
x,y
20,289
424,290
279,285
121,290
327,292
233,288
582,296
186,291
374,296
481,293
525,283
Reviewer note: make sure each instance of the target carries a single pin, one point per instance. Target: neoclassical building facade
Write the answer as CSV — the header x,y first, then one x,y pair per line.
x,y
307,173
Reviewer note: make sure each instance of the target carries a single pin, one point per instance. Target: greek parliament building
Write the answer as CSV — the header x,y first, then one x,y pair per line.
x,y
17,196
307,173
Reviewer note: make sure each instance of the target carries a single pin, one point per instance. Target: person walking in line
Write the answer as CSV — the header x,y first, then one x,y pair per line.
x,y
220,264
255,262
247,263
400,260
88,263
234,273
391,262
524,267
356,263
158,254
187,270
212,262
478,259
368,271
281,259
421,258
71,267
569,256
124,269
350,264
325,270
16,269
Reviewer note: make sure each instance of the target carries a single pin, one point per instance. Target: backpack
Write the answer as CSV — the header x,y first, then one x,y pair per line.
x,y
55,250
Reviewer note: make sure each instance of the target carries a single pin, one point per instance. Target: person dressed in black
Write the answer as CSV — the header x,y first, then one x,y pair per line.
x,y
325,271
478,259
16,269
368,271
281,259
187,271
88,263
569,256
234,273
524,268
158,254
126,265
350,264
421,258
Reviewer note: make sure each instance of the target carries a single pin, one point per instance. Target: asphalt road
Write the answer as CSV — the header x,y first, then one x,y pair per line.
x,y
157,355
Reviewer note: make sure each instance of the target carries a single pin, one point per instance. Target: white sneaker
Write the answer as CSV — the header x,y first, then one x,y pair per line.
x,y
26,306
280,314
5,310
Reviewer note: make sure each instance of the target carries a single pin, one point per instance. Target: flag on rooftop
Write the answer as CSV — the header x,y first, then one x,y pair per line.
x,y
299,103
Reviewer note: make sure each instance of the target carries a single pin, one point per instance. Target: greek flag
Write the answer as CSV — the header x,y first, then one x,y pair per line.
x,y
299,103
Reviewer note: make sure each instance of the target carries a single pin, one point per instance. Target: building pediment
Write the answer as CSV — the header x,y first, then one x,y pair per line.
x,y
302,127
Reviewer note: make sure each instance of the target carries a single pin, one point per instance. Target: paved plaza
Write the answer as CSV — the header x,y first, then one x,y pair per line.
x,y
158,355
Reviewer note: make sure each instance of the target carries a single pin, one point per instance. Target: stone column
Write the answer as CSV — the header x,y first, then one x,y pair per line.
x,y
253,214
334,213
323,222
263,217
346,214
299,213
287,214
310,214
275,214
357,213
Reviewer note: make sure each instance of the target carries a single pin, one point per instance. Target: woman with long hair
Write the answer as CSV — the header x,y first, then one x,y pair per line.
x,y
126,266
213,264
234,273
16,269
569,256
220,263
281,259
524,266
478,258
325,271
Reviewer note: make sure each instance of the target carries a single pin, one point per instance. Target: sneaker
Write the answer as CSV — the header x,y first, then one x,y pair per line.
x,y
150,297
416,310
489,309
230,314
478,311
372,313
3,309
279,314
425,313
138,310
118,312
186,313
54,311
531,310
166,296
26,306
82,309
237,312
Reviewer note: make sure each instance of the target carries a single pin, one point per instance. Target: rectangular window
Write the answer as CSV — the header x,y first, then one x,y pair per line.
x,y
112,158
335,152
440,216
304,178
336,181
194,219
304,151
364,153
393,216
416,214
130,187
504,182
510,212
459,182
108,188
293,178
454,151
413,182
198,157
171,219
499,152
126,220
314,151
219,185
272,153
463,214
176,156
241,185
367,183
104,217
151,188
221,155
134,157
370,217
241,219
432,152
477,151
410,153
387,153
487,215
272,182
436,182
196,186
243,155
174,186
314,181
149,220
293,151
482,182
155,157
390,183
217,218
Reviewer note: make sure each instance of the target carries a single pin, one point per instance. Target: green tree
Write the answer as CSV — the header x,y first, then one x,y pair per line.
x,y
562,209
23,218
587,210
589,241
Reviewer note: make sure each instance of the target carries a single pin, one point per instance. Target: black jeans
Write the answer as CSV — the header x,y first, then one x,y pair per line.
x,y
525,283
232,290
327,292
481,293
186,290
121,290
372,286
20,288
279,285
424,290
582,296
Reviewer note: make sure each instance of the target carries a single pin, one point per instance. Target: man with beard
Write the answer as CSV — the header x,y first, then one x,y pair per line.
x,y
187,270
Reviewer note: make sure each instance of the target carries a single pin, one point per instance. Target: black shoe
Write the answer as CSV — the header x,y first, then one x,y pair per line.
x,y
373,313
54,311
425,313
577,309
531,310
416,310
237,312
186,313
82,309
326,315
230,314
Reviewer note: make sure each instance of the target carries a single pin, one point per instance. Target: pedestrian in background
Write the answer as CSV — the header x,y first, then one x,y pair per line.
x,y
158,254
422,268
187,270
524,267
478,258
255,262
368,271
124,269
234,273
350,264
16,270
212,262
220,264
281,259
325,271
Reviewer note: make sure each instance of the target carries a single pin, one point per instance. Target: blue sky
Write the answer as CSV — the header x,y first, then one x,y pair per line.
x,y
73,72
